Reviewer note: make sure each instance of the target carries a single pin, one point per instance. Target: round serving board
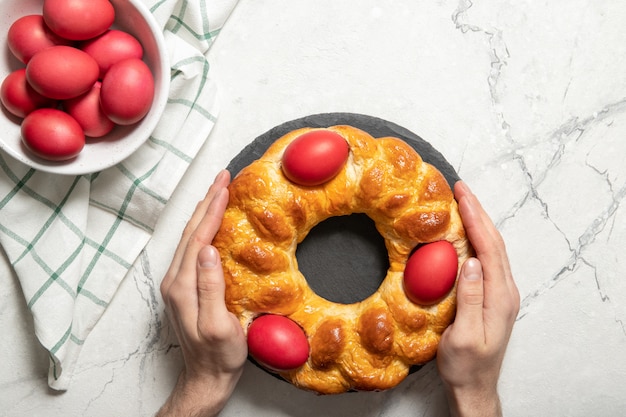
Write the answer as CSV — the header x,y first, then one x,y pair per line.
x,y
344,259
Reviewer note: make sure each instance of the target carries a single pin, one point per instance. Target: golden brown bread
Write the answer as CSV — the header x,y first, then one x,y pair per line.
x,y
368,345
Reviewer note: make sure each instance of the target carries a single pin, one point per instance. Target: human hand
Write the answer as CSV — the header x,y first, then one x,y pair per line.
x,y
471,350
212,341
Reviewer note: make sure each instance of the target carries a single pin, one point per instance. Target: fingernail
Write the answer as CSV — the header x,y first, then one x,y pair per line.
x,y
207,257
220,175
464,187
472,270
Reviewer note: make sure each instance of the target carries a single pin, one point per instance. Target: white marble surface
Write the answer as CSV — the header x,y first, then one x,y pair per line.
x,y
526,99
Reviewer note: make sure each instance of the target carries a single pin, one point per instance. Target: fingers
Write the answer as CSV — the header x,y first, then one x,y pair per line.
x,y
472,348
221,181
480,229
205,231
184,288
212,310
484,236
501,293
470,298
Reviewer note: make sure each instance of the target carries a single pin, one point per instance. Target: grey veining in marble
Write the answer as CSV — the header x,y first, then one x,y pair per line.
x,y
526,99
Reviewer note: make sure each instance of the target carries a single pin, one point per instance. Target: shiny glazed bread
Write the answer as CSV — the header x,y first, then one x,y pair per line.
x,y
369,345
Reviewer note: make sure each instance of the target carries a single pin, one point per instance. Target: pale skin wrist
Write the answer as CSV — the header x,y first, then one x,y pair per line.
x,y
474,402
196,396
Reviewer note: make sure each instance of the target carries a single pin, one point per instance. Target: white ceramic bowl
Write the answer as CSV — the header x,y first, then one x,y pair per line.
x,y
133,17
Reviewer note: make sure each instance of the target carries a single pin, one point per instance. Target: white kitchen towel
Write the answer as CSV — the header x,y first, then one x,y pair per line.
x,y
72,239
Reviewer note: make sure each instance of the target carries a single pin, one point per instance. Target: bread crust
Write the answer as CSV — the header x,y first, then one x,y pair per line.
x,y
369,345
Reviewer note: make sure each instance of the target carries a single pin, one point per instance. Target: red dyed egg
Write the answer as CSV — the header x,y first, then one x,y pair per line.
x,y
29,35
78,19
88,113
315,157
112,47
430,272
52,134
277,342
19,97
127,91
62,72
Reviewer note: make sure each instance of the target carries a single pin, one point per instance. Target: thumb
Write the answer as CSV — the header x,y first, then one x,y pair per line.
x,y
211,285
470,297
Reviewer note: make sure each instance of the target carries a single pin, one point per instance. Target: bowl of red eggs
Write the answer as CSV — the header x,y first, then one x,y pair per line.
x,y
83,82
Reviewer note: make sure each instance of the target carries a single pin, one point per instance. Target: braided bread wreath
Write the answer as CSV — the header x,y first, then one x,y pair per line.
x,y
329,347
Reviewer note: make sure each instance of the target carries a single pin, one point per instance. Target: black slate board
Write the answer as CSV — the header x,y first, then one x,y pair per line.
x,y
344,259
372,125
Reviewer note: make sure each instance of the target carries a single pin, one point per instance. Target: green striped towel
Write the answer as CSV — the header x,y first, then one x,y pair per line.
x,y
71,240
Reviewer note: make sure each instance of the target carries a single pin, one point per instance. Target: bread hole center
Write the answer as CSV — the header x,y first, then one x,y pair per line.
x,y
344,259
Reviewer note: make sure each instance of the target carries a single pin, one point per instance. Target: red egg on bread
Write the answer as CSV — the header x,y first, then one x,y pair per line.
x,y
315,157
277,342
430,272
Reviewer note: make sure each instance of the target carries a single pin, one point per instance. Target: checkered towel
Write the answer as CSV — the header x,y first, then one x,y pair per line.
x,y
71,240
